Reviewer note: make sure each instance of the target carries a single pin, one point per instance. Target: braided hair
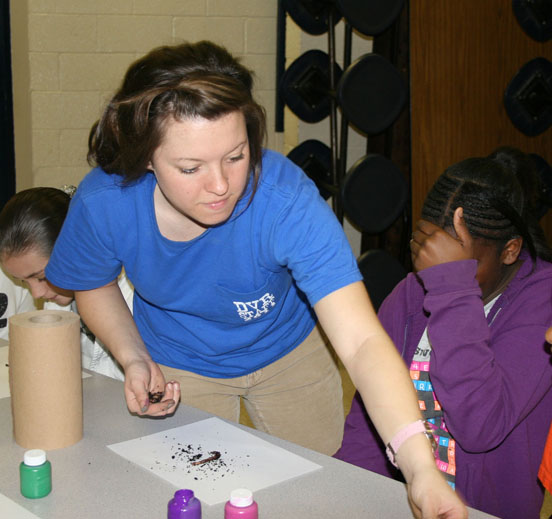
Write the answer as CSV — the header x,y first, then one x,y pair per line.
x,y
499,196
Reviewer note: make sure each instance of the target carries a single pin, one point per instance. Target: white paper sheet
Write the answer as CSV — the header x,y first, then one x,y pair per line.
x,y
4,373
246,461
10,509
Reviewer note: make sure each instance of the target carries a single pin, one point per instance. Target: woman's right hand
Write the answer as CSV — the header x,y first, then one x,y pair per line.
x,y
107,314
142,377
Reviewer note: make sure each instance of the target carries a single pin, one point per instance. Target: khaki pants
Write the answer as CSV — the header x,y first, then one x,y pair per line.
x,y
297,398
546,510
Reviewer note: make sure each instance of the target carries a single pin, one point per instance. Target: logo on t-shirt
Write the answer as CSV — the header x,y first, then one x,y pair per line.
x,y
253,309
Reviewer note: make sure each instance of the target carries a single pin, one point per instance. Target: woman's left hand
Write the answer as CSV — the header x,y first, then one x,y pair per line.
x,y
431,497
431,245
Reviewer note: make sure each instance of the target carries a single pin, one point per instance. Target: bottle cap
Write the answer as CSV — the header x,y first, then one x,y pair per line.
x,y
241,497
34,457
185,495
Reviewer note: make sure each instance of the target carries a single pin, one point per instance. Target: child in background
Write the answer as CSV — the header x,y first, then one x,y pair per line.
x,y
29,225
470,322
14,299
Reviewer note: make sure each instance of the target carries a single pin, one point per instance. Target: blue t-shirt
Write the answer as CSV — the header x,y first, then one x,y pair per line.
x,y
228,302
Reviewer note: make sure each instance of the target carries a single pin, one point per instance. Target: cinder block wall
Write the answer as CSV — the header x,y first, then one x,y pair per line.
x,y
68,56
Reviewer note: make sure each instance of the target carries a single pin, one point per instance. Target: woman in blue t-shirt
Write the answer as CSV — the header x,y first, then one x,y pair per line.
x,y
234,258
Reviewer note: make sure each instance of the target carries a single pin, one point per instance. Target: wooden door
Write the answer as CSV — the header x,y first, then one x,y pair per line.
x,y
463,54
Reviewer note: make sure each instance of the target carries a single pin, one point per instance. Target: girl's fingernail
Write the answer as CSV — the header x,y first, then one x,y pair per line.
x,y
144,409
169,405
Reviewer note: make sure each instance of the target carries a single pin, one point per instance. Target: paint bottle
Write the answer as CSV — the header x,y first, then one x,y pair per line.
x,y
35,473
184,505
241,505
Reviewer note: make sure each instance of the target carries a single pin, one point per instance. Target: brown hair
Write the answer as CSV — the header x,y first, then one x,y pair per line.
x,y
32,219
183,81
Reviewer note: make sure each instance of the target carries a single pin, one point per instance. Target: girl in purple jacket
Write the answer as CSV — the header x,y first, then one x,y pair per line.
x,y
470,324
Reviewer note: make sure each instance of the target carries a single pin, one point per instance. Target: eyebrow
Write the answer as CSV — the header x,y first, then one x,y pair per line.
x,y
34,274
241,144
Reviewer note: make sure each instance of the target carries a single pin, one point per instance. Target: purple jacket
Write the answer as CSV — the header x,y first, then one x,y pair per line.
x,y
491,375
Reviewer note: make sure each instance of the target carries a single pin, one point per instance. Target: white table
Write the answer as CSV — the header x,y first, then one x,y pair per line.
x,y
91,481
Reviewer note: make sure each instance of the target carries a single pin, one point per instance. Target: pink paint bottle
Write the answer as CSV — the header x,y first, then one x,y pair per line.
x,y
241,505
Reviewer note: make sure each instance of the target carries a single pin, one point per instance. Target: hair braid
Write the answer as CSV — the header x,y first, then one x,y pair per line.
x,y
496,205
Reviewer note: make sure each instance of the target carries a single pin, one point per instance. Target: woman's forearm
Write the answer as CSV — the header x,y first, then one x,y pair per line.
x,y
106,313
376,369
384,384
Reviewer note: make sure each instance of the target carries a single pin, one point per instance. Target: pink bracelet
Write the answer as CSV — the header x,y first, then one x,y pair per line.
x,y
419,426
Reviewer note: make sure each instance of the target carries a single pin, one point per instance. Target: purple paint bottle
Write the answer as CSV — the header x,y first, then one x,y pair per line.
x,y
184,505
241,505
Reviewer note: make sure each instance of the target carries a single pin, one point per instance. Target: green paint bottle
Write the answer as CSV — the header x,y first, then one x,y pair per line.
x,y
35,473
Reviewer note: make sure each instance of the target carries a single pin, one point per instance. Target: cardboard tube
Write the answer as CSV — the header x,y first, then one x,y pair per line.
x,y
45,379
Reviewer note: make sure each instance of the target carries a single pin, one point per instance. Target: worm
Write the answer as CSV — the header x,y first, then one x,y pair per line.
x,y
215,455
155,397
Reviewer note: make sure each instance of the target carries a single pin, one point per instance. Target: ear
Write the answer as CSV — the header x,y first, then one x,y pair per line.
x,y
511,251
460,227
549,335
